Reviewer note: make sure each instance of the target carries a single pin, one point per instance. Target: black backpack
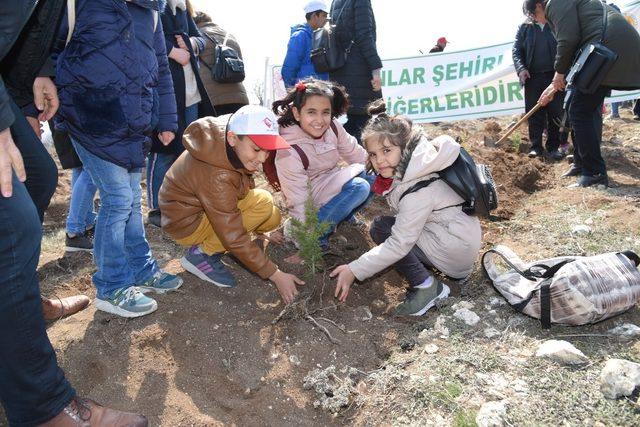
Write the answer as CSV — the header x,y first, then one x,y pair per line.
x,y
472,182
228,66
326,53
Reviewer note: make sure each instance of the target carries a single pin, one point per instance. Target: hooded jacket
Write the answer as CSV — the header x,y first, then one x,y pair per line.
x,y
429,217
324,174
577,23
209,179
297,63
113,78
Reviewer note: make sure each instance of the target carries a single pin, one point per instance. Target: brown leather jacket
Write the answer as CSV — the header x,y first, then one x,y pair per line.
x,y
208,178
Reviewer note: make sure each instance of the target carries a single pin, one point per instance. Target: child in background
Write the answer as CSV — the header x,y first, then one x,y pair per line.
x,y
308,119
429,228
209,201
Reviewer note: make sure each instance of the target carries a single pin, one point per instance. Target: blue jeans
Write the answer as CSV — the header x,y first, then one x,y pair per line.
x,y
353,197
82,215
33,388
615,112
120,249
157,166
159,163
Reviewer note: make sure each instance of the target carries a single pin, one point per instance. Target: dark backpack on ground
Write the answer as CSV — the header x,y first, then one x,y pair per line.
x,y
326,53
228,66
269,166
472,182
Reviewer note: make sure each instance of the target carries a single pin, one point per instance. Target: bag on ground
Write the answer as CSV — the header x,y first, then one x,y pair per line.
x,y
566,290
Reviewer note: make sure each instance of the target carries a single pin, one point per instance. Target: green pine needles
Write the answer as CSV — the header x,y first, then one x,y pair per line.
x,y
308,234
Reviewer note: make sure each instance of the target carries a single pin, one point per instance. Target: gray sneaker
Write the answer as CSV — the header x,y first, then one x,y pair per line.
x,y
419,300
161,283
127,302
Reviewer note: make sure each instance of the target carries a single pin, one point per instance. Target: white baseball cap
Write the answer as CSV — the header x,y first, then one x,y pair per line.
x,y
260,125
315,5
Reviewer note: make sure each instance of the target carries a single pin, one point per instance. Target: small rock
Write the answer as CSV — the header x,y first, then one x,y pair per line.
x,y
467,316
491,332
440,329
492,414
619,378
430,349
581,229
364,313
627,330
379,304
462,304
561,352
519,386
424,336
295,360
589,221
496,302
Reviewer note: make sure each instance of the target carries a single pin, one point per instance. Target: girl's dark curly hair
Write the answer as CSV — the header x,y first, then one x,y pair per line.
x,y
297,96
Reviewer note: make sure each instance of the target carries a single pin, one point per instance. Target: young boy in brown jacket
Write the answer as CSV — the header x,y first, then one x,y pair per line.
x,y
209,202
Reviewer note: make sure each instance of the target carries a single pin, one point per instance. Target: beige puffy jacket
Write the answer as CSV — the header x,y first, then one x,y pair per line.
x,y
428,217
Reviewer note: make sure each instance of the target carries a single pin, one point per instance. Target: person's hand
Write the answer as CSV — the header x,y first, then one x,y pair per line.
x,y
275,237
523,76
181,56
345,279
286,284
45,97
35,125
166,137
376,83
558,82
547,95
10,160
181,43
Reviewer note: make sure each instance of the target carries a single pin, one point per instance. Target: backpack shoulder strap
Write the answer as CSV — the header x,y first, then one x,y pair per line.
x,y
71,18
419,186
302,154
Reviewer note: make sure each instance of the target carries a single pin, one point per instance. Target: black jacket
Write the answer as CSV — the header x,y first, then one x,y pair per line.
x,y
357,24
24,54
181,23
524,46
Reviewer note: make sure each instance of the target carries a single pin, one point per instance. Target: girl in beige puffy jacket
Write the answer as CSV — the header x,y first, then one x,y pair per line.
x,y
428,230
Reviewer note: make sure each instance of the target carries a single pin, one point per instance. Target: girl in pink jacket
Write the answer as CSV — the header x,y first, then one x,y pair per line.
x,y
307,119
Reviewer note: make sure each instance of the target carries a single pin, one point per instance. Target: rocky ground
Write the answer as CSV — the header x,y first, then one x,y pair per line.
x,y
210,356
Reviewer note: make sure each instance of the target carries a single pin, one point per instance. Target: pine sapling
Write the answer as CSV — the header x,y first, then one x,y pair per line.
x,y
308,234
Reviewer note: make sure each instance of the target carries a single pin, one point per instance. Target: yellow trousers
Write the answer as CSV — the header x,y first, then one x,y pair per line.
x,y
258,215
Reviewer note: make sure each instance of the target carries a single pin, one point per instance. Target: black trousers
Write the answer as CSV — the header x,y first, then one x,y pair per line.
x,y
354,125
548,116
585,115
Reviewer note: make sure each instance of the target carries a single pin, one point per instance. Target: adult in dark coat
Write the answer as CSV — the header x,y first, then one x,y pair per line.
x,y
576,23
534,52
33,389
356,32
183,43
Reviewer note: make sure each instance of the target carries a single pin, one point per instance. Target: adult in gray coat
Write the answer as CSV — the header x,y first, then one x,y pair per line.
x,y
575,24
356,32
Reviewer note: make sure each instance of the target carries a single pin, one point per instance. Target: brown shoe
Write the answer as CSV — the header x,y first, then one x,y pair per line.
x,y
87,413
57,308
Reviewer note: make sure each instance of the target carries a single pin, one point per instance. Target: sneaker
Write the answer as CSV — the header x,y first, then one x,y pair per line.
x,y
573,171
565,148
589,181
161,283
419,300
78,243
636,117
90,232
613,116
208,267
556,155
127,302
535,153
154,218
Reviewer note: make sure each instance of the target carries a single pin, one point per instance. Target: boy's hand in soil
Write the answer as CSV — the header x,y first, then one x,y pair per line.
x,y
345,279
286,284
166,137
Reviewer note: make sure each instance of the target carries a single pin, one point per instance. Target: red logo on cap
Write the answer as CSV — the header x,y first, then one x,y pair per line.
x,y
268,122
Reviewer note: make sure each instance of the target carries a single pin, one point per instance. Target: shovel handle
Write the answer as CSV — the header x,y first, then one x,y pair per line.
x,y
522,120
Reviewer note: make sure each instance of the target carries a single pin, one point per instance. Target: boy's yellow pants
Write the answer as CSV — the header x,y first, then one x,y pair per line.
x,y
258,215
